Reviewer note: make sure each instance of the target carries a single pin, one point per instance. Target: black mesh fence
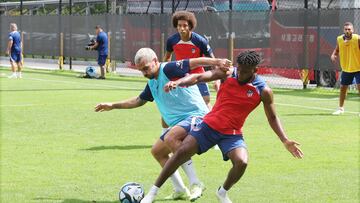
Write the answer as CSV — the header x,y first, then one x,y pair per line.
x,y
294,43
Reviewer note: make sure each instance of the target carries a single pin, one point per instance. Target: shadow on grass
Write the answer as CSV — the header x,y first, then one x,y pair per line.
x,y
116,147
86,201
48,199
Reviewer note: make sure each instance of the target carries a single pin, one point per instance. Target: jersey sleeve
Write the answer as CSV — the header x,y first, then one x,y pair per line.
x,y
177,69
10,37
169,47
99,39
205,47
146,94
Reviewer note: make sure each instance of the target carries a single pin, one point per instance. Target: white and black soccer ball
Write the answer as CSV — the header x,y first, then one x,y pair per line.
x,y
131,193
90,72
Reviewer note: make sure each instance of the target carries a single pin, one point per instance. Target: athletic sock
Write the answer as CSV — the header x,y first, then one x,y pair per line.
x,y
153,190
188,167
177,182
222,191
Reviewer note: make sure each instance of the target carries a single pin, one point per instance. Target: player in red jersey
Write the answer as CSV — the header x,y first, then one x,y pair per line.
x,y
241,92
187,44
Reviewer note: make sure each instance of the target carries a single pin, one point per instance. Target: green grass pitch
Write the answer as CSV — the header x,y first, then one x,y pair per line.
x,y
55,148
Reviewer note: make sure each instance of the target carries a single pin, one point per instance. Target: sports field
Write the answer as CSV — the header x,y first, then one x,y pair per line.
x,y
55,148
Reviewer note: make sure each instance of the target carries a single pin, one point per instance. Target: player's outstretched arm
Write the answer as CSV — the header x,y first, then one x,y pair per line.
x,y
274,122
127,104
223,64
193,79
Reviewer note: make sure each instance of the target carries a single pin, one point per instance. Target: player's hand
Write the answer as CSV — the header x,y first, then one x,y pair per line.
x,y
333,58
224,64
7,53
104,107
170,86
293,148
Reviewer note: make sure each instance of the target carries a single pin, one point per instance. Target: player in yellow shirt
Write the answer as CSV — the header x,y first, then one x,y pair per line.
x,y
348,48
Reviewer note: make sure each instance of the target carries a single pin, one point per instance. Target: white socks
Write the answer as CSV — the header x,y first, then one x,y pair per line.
x,y
153,190
176,179
188,167
177,182
222,191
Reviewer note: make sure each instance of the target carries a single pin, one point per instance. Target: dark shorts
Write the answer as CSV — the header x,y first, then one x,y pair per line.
x,y
204,89
102,60
207,137
188,124
15,57
348,78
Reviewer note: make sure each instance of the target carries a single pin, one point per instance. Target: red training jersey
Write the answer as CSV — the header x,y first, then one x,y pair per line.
x,y
233,104
196,47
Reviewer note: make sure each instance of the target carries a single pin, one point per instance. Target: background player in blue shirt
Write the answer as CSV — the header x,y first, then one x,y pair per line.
x,y
180,110
14,51
101,46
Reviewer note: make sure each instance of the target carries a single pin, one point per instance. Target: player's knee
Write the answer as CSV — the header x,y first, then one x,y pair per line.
x,y
240,163
157,154
171,142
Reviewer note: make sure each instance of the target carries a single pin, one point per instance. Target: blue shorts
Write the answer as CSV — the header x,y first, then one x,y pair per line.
x,y
206,138
348,78
188,124
204,89
15,57
102,60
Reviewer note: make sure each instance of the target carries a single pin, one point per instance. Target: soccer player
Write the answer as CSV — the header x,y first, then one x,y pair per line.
x,y
348,47
101,46
180,109
188,44
241,92
14,51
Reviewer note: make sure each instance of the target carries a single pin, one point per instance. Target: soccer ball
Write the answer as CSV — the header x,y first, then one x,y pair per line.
x,y
131,193
90,72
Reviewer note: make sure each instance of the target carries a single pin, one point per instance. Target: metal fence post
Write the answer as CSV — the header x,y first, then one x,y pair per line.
x,y
173,6
305,61
61,57
162,46
317,65
70,18
21,7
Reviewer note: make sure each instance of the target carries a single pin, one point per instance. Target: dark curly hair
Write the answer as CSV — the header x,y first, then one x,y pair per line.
x,y
184,15
248,58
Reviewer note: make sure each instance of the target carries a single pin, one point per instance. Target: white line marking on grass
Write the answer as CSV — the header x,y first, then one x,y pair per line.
x,y
308,107
335,98
46,104
313,107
